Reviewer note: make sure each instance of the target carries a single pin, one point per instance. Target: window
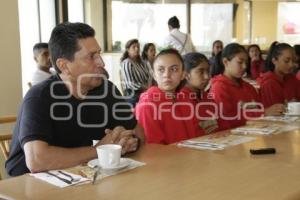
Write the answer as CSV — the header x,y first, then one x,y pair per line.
x,y
75,11
144,21
288,29
36,20
47,18
211,22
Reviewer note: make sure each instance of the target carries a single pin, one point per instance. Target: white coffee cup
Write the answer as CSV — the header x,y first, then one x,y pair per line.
x,y
293,108
109,155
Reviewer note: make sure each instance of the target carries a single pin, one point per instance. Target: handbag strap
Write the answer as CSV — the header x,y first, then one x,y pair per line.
x,y
182,44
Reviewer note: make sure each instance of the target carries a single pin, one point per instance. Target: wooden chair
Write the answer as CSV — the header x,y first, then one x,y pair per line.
x,y
8,119
5,137
4,144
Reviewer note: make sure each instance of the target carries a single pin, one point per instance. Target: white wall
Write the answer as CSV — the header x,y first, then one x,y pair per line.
x,y
93,12
10,62
10,66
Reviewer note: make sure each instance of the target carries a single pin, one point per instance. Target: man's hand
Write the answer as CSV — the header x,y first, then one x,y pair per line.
x,y
119,135
275,110
113,136
128,144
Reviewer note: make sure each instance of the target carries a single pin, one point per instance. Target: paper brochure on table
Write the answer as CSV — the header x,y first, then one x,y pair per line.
x,y
60,179
284,118
82,174
218,143
257,129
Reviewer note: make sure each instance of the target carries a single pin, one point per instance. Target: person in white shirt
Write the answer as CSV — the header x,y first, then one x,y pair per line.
x,y
42,59
177,39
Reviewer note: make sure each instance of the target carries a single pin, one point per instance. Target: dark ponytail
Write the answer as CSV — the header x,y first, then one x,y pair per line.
x,y
268,60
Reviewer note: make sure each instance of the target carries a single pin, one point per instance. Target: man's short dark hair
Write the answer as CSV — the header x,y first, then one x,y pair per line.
x,y
174,22
64,38
39,46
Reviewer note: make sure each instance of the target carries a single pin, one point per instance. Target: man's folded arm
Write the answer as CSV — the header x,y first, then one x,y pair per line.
x,y
40,156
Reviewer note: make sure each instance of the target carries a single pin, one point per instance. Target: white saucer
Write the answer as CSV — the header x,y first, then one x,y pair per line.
x,y
124,162
291,114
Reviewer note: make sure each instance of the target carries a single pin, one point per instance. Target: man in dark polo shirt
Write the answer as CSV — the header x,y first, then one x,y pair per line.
x,y
60,117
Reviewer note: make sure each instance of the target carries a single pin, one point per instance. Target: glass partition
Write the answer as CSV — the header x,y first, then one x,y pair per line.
x,y
75,11
288,29
145,21
211,22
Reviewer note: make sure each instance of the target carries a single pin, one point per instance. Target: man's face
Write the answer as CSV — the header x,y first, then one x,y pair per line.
x,y
87,68
42,58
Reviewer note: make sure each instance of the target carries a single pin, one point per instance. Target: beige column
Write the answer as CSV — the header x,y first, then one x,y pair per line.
x,y
264,22
10,67
94,17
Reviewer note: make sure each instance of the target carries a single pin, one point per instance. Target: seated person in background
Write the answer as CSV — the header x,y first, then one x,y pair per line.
x,y
177,39
237,99
148,55
42,59
256,62
196,79
297,70
60,117
215,69
279,84
166,116
216,48
134,72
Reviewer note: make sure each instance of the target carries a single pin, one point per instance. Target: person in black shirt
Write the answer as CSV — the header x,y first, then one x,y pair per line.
x,y
60,117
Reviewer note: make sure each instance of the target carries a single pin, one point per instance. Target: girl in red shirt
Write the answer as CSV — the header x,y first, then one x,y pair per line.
x,y
166,116
196,79
279,84
237,99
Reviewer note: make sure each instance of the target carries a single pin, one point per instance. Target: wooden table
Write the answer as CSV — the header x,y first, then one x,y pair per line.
x,y
181,173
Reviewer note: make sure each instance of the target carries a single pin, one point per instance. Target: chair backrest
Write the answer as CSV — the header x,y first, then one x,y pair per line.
x,y
4,144
5,137
7,119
